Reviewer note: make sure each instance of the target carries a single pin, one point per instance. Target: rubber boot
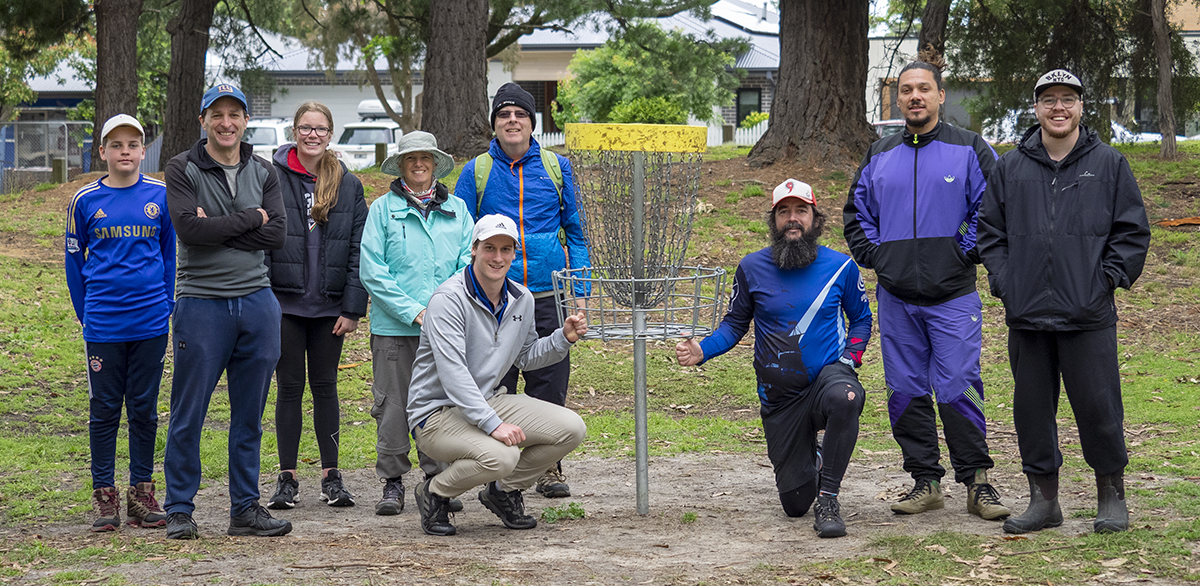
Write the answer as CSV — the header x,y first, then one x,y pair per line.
x,y
1112,516
1043,508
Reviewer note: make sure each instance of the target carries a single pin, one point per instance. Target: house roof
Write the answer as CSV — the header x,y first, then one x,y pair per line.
x,y
730,19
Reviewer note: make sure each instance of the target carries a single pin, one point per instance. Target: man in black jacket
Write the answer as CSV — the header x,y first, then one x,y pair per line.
x,y
1062,226
226,208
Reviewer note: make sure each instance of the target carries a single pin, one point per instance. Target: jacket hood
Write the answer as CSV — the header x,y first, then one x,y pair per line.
x,y
498,153
1031,145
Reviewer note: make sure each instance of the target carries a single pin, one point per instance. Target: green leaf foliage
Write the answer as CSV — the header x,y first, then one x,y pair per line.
x,y
754,119
656,110
692,71
1013,42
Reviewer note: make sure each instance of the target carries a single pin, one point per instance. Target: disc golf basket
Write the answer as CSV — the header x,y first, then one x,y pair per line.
x,y
636,186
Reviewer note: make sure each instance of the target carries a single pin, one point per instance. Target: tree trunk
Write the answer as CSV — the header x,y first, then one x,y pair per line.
x,y
933,29
185,80
819,113
116,65
454,101
1162,49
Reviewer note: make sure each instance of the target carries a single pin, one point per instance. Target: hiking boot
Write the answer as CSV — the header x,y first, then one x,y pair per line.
x,y
827,517
106,501
1112,515
393,497
1043,508
509,506
926,495
143,508
983,500
258,522
553,484
285,492
435,511
181,526
333,492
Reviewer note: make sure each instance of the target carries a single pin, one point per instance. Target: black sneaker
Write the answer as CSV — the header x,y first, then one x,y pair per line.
x,y
435,511
181,526
334,492
456,505
258,522
285,492
393,497
827,517
509,506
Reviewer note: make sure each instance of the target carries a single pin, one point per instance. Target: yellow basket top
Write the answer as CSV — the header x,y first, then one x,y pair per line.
x,y
658,138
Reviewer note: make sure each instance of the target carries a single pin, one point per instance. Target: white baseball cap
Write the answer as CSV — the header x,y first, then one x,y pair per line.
x,y
118,121
793,188
494,225
1057,77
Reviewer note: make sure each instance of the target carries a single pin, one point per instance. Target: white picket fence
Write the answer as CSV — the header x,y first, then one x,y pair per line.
x,y
741,136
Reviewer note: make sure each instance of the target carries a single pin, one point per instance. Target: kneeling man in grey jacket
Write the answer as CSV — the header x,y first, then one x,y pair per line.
x,y
478,324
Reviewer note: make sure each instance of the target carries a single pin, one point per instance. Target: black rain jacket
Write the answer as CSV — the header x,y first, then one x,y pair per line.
x,y
1058,237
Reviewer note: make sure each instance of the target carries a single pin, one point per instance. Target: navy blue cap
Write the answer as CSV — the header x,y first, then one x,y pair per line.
x,y
222,90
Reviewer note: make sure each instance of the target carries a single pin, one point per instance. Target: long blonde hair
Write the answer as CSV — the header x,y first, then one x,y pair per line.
x,y
328,171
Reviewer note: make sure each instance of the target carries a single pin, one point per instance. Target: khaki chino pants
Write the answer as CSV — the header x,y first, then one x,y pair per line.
x,y
476,458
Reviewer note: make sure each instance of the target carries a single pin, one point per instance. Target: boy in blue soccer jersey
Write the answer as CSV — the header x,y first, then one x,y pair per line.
x,y
811,323
120,263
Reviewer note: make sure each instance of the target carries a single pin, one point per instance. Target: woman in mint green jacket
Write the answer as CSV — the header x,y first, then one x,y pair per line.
x,y
416,237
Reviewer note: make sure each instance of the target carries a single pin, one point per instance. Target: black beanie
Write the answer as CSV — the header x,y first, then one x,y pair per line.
x,y
511,94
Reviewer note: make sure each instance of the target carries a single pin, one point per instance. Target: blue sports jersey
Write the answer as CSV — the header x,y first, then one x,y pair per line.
x,y
800,318
120,249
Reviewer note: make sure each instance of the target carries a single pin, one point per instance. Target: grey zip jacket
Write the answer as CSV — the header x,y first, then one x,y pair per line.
x,y
464,352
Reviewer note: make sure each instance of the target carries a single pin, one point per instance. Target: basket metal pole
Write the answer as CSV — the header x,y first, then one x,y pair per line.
x,y
639,336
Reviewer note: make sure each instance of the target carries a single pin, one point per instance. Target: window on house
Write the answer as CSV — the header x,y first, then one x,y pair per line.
x,y
748,101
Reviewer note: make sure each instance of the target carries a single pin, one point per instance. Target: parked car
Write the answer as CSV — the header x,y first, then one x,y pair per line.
x,y
266,134
888,127
356,145
1123,135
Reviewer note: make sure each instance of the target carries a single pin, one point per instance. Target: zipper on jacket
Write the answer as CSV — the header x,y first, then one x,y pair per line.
x,y
916,152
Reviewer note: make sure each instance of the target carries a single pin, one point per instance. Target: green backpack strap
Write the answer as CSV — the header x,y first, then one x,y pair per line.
x,y
483,169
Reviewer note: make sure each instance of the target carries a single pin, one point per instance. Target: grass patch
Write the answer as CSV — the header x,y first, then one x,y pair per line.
x,y
569,512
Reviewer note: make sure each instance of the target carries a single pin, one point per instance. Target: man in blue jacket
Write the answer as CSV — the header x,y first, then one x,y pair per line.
x,y
536,188
1063,225
812,322
911,217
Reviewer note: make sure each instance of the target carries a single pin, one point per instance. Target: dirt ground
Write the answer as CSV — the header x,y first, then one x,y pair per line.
x,y
739,535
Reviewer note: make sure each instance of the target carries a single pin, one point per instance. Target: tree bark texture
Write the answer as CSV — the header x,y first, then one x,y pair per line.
x,y
185,80
819,113
116,65
933,27
454,101
1162,50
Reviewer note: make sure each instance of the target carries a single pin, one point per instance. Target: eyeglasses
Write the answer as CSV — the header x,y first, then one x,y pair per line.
x,y
1048,102
518,114
320,131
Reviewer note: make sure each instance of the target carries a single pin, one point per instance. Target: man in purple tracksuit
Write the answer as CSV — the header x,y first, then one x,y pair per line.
x,y
911,216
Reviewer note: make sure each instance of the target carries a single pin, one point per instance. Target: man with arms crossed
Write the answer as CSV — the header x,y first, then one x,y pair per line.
x,y
910,216
1062,226
477,325
226,207
801,296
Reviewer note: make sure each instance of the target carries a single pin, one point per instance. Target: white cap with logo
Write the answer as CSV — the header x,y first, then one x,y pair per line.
x,y
793,188
494,225
118,121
